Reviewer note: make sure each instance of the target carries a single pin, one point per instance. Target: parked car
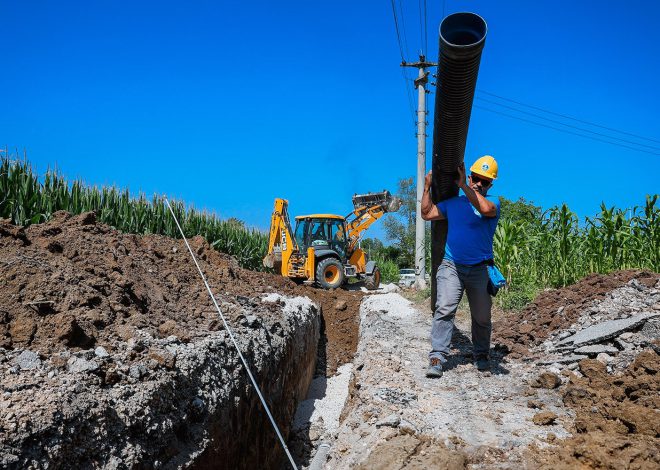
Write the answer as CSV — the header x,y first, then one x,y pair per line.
x,y
407,277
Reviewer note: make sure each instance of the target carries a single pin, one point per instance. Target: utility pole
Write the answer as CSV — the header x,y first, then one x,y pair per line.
x,y
420,84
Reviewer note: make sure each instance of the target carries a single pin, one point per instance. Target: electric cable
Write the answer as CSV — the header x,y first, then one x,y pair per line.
x,y
403,27
567,125
403,60
565,116
426,31
396,27
421,27
233,340
563,130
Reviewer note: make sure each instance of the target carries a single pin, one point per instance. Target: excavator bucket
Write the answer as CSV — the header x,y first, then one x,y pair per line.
x,y
384,199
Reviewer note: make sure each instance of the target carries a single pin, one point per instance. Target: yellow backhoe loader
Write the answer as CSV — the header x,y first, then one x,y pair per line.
x,y
324,247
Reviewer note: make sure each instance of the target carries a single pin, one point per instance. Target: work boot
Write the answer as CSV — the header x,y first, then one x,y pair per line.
x,y
482,363
435,368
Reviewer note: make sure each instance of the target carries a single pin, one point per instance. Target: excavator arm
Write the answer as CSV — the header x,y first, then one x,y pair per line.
x,y
368,208
281,243
283,251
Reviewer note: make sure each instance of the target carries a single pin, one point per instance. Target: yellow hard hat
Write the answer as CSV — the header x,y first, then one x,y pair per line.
x,y
485,166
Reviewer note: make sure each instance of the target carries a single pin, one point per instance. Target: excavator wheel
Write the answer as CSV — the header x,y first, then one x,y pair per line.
x,y
372,281
330,273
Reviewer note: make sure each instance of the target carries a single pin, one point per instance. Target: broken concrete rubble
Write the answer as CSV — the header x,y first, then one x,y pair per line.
x,y
607,330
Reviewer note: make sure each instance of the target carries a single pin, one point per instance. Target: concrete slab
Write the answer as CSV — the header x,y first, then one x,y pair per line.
x,y
607,330
563,359
596,349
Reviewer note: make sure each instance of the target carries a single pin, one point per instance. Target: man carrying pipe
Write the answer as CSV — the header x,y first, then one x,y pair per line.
x,y
472,220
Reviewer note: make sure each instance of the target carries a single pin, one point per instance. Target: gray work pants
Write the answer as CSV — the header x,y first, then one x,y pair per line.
x,y
451,280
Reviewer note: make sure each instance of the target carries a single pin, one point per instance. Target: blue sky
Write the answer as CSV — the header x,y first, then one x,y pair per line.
x,y
230,104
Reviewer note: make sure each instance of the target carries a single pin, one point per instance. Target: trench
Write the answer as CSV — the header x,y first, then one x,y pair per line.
x,y
241,435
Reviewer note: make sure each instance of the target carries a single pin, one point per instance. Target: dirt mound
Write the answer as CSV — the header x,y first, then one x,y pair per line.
x,y
617,423
557,309
74,284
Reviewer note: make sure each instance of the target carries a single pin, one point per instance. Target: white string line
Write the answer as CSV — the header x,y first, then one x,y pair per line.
x,y
231,335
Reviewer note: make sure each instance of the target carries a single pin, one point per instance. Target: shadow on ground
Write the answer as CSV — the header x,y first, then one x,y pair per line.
x,y
461,353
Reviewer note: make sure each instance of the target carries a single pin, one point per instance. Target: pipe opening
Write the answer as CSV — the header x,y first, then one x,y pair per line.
x,y
463,29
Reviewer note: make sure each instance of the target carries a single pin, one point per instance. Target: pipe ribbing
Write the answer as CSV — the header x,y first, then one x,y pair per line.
x,y
462,38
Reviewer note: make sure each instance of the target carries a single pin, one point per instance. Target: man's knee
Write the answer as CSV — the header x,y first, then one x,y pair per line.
x,y
444,312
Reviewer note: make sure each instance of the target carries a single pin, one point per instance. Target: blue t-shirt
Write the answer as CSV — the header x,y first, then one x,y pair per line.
x,y
470,234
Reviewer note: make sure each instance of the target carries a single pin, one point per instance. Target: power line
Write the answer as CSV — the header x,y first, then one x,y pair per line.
x,y
421,26
568,117
426,31
396,27
563,130
403,60
411,106
403,27
567,125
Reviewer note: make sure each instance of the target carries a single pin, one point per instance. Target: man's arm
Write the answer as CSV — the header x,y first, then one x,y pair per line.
x,y
429,210
483,205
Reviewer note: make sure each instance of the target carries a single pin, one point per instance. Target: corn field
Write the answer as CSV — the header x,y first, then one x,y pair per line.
x,y
554,252
559,250
25,199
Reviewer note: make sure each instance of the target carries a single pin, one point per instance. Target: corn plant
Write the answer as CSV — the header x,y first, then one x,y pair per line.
x,y
26,200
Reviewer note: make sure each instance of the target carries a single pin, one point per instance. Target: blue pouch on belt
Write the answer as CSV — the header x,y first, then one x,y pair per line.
x,y
495,280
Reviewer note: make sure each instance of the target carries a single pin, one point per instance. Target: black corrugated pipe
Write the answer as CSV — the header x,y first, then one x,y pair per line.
x,y
462,38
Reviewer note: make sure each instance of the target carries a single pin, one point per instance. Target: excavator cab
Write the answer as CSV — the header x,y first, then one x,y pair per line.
x,y
322,232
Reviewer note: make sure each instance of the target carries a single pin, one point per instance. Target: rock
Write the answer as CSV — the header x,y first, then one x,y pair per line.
x,y
341,305
391,421
79,365
547,380
101,352
564,334
28,360
564,360
137,371
637,285
608,329
626,336
596,349
651,330
604,358
535,404
252,321
544,418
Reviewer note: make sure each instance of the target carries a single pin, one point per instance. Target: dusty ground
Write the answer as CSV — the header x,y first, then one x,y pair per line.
x,y
102,333
541,412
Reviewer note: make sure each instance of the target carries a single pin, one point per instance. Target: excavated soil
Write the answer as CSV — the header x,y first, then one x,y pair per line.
x,y
73,283
617,423
556,309
533,409
105,332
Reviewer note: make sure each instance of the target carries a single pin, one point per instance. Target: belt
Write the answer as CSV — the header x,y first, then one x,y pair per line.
x,y
486,262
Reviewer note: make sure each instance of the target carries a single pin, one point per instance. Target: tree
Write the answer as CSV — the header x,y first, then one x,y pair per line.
x,y
400,226
520,212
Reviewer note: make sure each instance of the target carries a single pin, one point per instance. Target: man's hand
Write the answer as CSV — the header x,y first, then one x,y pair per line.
x,y
428,179
460,181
